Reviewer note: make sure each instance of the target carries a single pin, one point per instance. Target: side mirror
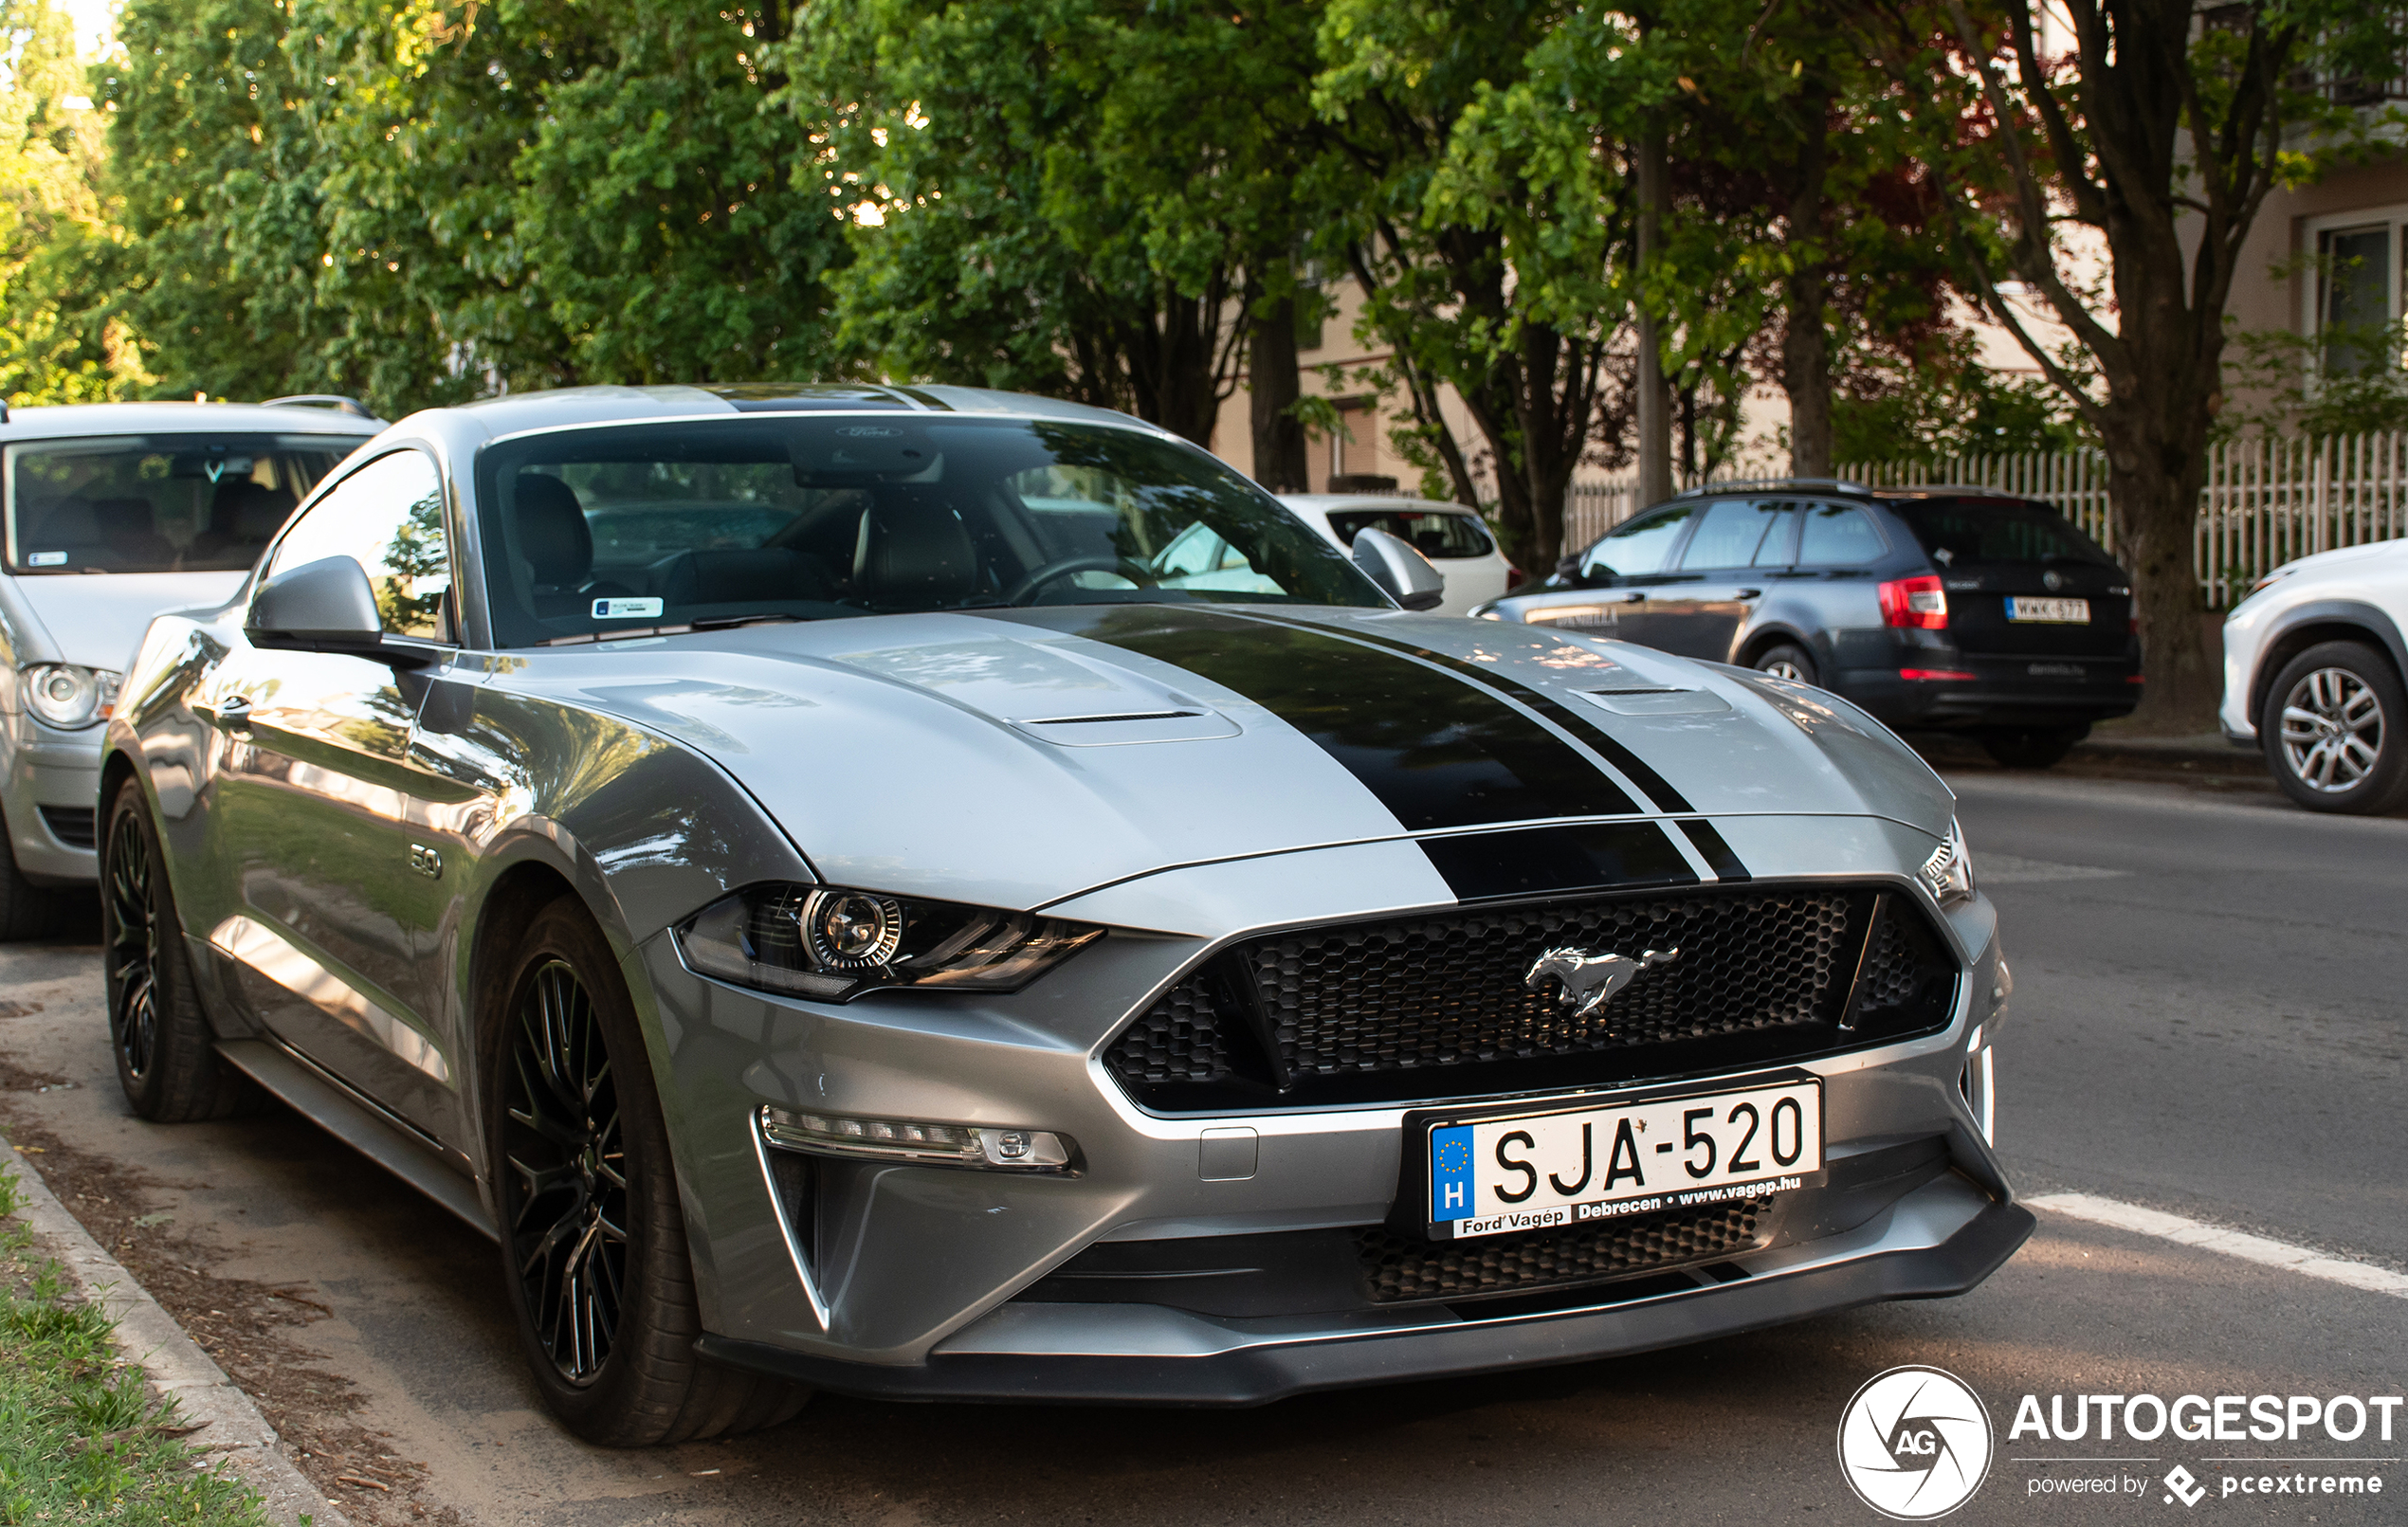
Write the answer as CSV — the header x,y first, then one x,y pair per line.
x,y
325,606
1403,574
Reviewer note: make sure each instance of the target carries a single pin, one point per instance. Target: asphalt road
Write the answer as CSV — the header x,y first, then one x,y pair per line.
x,y
2206,1022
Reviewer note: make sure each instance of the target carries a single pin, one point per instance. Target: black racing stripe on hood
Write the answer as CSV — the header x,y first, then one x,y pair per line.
x,y
1588,731
1717,853
1480,867
1437,752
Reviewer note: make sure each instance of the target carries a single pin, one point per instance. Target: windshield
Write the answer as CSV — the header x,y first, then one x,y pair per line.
x,y
596,533
1959,532
157,503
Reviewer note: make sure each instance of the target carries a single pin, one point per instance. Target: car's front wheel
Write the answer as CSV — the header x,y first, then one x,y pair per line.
x,y
2328,730
594,1241
167,1059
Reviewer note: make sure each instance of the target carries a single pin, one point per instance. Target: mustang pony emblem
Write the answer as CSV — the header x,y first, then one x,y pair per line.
x,y
1590,981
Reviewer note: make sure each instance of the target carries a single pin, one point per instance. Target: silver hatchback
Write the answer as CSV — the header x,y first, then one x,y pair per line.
x,y
114,512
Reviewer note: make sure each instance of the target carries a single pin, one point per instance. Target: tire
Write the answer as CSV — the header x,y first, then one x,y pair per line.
x,y
593,1242
2331,729
1788,661
2033,747
166,1059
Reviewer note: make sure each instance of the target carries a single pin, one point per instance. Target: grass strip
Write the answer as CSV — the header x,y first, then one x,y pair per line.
x,y
81,1439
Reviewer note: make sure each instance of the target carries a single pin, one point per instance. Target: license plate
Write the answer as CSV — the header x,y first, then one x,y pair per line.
x,y
2051,611
1525,1172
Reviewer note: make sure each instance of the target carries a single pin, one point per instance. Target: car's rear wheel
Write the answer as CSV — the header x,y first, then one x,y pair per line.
x,y
2330,730
1788,661
2033,747
593,1242
167,1059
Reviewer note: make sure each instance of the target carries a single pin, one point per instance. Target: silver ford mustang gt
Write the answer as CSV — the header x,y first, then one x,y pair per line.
x,y
942,895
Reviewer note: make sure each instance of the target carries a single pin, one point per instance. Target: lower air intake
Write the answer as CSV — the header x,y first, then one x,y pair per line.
x,y
1397,1267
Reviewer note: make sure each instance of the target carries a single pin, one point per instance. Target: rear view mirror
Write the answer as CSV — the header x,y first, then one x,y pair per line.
x,y
1403,574
325,606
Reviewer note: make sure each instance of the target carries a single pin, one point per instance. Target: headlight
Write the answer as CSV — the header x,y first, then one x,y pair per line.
x,y
67,696
1949,870
833,945
2261,583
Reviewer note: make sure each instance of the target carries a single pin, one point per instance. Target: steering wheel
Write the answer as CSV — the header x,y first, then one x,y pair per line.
x,y
1136,572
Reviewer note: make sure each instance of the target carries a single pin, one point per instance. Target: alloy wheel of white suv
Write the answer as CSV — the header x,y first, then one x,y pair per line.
x,y
2328,728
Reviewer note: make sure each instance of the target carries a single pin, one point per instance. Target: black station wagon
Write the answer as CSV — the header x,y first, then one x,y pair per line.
x,y
1953,609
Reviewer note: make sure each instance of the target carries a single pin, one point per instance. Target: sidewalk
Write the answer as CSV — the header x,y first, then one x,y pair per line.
x,y
2203,750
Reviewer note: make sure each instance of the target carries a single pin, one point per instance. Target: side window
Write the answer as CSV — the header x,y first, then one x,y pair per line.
x,y
1730,533
1836,536
387,516
1640,546
1778,547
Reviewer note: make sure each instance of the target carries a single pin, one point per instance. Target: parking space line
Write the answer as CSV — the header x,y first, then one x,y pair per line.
x,y
2207,1237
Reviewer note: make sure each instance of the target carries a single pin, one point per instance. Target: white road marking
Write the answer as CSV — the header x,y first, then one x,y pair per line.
x,y
2207,1237
1991,869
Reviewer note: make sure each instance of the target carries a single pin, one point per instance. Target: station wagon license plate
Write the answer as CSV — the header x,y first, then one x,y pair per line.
x,y
2049,611
1526,1172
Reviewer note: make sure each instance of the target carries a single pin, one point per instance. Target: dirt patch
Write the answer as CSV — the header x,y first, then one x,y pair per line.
x,y
251,1329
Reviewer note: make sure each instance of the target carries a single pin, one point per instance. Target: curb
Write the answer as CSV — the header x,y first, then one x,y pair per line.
x,y
174,1362
2149,750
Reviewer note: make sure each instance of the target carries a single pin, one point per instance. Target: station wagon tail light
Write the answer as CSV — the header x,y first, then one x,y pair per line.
x,y
67,696
935,1145
831,944
1919,604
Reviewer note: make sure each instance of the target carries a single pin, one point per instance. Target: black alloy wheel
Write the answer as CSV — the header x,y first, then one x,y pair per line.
x,y
594,1235
167,1057
132,928
567,1158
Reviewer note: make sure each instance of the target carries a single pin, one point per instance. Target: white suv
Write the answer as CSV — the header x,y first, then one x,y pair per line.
x,y
2312,673
1452,538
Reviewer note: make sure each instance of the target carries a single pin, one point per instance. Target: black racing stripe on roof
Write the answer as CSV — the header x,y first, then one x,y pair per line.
x,y
1437,752
1717,853
1588,729
1587,856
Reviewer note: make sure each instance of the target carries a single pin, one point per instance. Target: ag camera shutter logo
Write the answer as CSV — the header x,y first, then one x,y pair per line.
x,y
1914,1442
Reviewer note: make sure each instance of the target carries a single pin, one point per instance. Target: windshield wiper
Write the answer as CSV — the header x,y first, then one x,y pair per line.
x,y
724,623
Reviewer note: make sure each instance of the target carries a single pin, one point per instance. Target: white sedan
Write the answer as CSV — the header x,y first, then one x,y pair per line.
x,y
1453,538
2313,662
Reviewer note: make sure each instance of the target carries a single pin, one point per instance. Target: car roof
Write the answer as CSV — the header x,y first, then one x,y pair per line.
x,y
1358,500
73,419
567,407
1850,488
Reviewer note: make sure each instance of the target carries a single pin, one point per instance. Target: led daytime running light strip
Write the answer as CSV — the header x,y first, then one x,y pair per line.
x,y
937,1145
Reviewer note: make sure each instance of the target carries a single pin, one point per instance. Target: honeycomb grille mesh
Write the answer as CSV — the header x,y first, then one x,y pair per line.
x,y
1395,1268
1448,989
1181,1038
1893,971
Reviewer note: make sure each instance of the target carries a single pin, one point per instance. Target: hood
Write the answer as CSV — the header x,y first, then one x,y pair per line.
x,y
1018,758
97,620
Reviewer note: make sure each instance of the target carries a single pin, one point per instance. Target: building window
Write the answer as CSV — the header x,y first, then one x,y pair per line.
x,y
2355,290
1354,450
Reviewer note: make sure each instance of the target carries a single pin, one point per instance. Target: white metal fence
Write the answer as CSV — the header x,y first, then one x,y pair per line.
x,y
2267,499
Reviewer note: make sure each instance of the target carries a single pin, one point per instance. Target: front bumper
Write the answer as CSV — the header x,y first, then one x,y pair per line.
x,y
886,1271
49,792
1943,1239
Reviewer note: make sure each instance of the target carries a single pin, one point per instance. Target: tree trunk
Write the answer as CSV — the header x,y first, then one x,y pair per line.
x,y
1806,344
1281,461
2154,477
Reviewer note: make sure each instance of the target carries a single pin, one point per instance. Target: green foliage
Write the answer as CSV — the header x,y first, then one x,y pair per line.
x,y
2292,385
1901,413
81,1439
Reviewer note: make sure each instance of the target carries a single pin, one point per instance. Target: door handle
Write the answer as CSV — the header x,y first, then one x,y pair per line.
x,y
1633,599
234,712
1751,593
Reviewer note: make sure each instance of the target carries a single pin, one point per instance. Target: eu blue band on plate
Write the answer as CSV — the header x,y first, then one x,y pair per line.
x,y
1450,1174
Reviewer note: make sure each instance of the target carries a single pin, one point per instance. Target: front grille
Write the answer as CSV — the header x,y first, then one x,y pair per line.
x,y
1395,1268
75,826
1434,1006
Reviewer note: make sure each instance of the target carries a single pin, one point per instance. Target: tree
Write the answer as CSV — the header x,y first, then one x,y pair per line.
x,y
2162,132
59,342
1491,234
